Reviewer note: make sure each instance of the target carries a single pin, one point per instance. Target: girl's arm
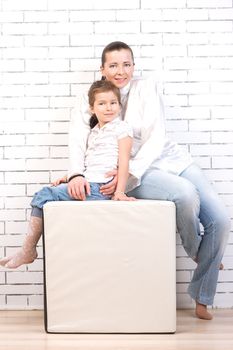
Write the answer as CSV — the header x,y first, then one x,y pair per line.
x,y
124,145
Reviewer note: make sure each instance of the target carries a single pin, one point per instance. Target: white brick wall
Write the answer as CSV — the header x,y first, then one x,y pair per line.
x,y
49,48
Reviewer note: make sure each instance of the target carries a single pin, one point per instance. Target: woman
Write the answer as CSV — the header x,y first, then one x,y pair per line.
x,y
160,170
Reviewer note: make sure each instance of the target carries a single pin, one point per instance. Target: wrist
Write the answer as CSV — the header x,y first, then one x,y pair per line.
x,y
74,176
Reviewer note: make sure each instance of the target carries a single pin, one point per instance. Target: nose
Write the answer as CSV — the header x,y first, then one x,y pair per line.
x,y
109,106
120,69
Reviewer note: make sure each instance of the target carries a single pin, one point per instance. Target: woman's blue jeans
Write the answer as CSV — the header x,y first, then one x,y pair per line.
x,y
196,202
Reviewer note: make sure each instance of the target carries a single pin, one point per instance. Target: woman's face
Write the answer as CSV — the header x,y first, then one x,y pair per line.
x,y
118,67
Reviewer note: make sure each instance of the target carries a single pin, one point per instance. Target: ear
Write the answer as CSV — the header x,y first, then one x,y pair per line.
x,y
91,110
102,72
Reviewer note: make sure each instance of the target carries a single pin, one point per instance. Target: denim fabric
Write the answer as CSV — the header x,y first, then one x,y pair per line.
x,y
60,193
196,202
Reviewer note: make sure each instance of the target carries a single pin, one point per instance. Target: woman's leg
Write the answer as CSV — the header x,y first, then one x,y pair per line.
x,y
160,185
186,191
216,223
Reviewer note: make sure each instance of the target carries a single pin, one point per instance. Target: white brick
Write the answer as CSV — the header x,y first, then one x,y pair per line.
x,y
11,240
47,164
25,28
47,140
2,278
8,115
71,77
48,90
24,5
12,289
26,277
6,164
17,203
190,137
47,114
220,137
187,112
59,152
211,99
26,152
186,63
163,27
12,190
209,3
57,102
10,214
16,301
220,174
46,16
222,112
138,15
69,4
7,140
184,38
25,78
212,150
25,52
211,125
209,26
77,16
163,4
11,16
36,301
25,127
11,41
210,50
221,38
70,28
59,127
12,66
47,40
222,162
18,227
118,27
186,88
47,65
12,91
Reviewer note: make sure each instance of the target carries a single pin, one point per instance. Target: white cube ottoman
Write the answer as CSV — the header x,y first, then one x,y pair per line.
x,y
110,267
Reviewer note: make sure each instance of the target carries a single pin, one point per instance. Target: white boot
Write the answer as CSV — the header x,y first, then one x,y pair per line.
x,y
27,254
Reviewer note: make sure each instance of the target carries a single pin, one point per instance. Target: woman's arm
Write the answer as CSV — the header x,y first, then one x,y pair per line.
x,y
124,149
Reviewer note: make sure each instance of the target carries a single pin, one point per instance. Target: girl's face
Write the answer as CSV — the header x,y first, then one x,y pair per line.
x,y
106,107
118,67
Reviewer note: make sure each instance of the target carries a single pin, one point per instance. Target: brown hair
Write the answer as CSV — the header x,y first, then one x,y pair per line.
x,y
115,46
96,88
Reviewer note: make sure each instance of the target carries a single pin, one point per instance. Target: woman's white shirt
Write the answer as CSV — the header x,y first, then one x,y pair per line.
x,y
142,110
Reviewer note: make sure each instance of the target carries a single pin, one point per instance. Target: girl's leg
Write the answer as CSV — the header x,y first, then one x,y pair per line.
x,y
27,253
216,223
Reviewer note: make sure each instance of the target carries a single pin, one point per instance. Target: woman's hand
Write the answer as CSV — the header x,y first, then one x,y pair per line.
x,y
78,188
59,181
110,187
121,196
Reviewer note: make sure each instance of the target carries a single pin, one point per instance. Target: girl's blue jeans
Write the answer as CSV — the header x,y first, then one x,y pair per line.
x,y
60,193
196,202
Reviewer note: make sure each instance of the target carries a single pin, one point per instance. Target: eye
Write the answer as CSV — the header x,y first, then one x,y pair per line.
x,y
112,66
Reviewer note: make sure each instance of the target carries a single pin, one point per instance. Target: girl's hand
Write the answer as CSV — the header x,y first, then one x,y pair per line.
x,y
110,187
59,181
78,188
121,196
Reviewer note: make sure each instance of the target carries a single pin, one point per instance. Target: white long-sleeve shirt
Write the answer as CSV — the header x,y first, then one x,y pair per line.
x,y
142,110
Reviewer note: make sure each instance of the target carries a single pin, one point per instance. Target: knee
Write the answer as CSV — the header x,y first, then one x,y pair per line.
x,y
187,197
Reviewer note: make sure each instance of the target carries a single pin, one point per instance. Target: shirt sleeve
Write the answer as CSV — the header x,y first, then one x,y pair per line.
x,y
78,134
124,130
149,106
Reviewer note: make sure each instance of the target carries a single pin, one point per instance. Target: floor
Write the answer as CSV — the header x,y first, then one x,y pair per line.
x,y
24,330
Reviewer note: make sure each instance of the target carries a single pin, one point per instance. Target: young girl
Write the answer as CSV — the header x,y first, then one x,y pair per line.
x,y
108,147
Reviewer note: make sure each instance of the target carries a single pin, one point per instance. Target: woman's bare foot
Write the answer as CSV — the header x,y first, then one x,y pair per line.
x,y
19,258
201,312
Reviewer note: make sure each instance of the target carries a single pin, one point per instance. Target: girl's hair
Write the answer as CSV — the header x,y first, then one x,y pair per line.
x,y
96,88
115,46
